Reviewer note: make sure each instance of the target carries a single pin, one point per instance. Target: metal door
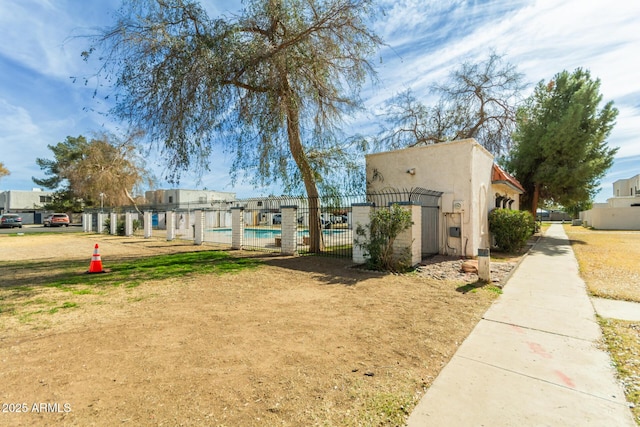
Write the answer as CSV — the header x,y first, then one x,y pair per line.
x,y
430,241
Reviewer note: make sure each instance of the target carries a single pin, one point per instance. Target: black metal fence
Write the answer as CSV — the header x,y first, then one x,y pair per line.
x,y
262,217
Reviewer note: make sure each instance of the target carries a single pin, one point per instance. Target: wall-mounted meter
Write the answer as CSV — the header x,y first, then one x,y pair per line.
x,y
458,205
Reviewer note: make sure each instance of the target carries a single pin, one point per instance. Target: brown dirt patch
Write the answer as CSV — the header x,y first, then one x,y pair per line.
x,y
298,341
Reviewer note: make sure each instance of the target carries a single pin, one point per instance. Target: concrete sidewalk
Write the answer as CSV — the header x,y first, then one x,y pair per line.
x,y
534,358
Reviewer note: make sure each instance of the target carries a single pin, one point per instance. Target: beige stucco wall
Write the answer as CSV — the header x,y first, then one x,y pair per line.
x,y
626,187
22,200
459,169
609,218
620,202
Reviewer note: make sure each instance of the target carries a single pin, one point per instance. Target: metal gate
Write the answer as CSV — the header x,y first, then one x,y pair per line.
x,y
430,241
430,201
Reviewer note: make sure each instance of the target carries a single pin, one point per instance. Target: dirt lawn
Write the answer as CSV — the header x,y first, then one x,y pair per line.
x,y
297,341
608,261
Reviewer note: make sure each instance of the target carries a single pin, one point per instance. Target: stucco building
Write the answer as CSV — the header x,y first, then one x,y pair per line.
x,y
468,180
28,203
620,212
181,199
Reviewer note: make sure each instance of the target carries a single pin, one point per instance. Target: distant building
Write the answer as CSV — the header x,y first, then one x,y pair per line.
x,y
621,212
626,187
29,203
178,199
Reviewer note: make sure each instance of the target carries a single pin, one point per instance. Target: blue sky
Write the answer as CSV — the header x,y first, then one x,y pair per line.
x,y
39,53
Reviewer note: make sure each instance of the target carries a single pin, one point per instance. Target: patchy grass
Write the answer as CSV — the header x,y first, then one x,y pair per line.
x,y
623,340
608,261
25,295
69,275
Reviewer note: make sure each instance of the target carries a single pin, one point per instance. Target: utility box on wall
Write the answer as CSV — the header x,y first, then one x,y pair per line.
x,y
454,231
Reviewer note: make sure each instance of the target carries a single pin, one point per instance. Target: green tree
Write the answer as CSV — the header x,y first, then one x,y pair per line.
x,y
560,150
479,100
65,154
269,84
82,170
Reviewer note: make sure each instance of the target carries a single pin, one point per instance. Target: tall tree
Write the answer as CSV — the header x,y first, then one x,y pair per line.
x,y
269,84
560,150
65,153
84,170
479,100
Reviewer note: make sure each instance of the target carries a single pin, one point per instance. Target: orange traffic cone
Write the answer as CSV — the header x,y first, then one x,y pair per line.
x,y
96,262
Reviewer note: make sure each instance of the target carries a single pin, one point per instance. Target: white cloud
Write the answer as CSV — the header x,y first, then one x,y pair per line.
x,y
427,39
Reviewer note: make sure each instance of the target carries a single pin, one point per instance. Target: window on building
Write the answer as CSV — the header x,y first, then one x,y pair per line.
x,y
45,199
170,199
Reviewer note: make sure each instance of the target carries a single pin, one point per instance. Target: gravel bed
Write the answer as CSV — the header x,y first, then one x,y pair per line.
x,y
442,267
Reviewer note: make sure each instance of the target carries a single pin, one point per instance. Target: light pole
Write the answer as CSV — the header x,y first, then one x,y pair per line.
x,y
101,202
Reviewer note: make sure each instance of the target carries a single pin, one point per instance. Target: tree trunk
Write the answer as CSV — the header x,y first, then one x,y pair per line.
x,y
135,205
534,200
316,243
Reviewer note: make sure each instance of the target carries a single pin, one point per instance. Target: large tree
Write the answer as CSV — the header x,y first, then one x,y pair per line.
x,y
105,168
65,154
269,84
478,100
560,150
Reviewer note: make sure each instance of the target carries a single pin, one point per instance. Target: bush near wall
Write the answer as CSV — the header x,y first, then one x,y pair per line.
x,y
511,229
385,226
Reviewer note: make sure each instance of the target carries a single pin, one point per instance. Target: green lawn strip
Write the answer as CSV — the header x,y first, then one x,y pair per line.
x,y
71,276
132,273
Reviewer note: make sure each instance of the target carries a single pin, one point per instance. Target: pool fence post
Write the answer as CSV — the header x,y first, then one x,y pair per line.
x,y
148,224
114,224
237,227
289,226
361,217
128,224
170,220
198,227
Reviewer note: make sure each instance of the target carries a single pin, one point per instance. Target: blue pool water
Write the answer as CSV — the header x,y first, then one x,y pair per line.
x,y
257,233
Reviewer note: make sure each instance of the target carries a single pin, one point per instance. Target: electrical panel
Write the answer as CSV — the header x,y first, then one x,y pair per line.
x,y
454,231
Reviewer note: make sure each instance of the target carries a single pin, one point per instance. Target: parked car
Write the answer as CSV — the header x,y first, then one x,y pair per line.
x,y
57,220
10,221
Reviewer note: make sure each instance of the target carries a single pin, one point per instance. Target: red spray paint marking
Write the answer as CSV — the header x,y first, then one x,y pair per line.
x,y
565,379
539,350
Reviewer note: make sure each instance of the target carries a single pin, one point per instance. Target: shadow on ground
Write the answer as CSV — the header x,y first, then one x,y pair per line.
x,y
331,271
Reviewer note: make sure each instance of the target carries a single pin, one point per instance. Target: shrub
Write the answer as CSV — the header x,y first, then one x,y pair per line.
x,y
511,229
384,227
120,226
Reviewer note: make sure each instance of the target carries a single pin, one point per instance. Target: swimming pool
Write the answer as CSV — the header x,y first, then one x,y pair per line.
x,y
264,233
